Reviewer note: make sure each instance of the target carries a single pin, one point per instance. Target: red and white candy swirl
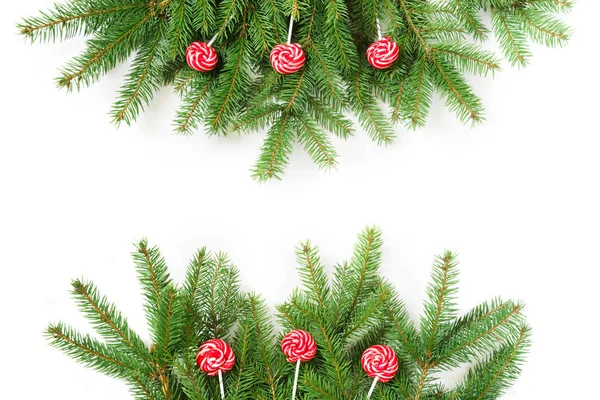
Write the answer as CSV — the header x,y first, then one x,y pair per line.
x,y
383,53
201,57
214,356
380,362
287,58
298,345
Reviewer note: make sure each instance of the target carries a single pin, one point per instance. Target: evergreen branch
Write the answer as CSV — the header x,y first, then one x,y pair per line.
x,y
458,94
440,307
543,28
317,388
87,351
367,315
107,320
312,274
467,9
180,29
227,98
70,20
515,351
188,116
315,143
469,58
401,324
142,82
329,119
508,316
512,41
357,310
372,119
256,310
258,118
275,150
412,25
95,55
243,341
418,90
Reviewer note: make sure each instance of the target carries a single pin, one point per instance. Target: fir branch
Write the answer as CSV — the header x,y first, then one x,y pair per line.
x,y
190,113
459,97
275,151
88,351
469,58
143,80
417,93
180,29
106,319
75,18
329,118
358,309
315,143
478,331
263,341
154,279
103,53
511,39
369,113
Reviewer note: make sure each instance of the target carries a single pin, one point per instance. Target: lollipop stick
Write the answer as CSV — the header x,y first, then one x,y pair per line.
x,y
379,35
212,40
291,27
372,388
296,379
221,385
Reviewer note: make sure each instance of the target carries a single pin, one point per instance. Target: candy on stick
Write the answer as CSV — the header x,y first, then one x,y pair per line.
x,y
298,346
201,56
288,58
379,362
215,357
383,52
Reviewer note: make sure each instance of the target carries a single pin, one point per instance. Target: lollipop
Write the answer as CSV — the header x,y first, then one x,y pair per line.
x,y
383,53
201,56
287,58
215,357
379,362
298,346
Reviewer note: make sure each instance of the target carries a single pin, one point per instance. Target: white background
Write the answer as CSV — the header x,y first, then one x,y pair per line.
x,y
517,197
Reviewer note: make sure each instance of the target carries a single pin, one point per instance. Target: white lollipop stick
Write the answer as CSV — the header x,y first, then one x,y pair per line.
x,y
372,388
212,40
290,29
221,385
379,35
296,379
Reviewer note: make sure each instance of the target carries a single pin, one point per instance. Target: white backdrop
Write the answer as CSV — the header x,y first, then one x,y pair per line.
x,y
517,197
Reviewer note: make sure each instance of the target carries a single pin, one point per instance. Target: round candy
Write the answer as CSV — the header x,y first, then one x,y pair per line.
x,y
298,345
382,53
380,362
287,58
214,356
201,57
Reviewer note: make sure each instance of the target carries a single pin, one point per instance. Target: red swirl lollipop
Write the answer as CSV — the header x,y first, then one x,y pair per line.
x,y
201,56
299,345
215,357
383,53
287,58
379,362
